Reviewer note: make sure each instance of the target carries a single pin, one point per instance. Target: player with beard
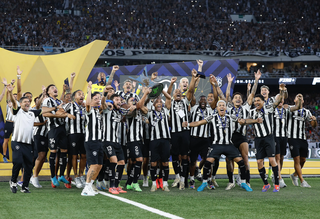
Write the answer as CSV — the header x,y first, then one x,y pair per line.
x,y
264,139
297,139
56,133
180,137
222,144
238,110
200,136
112,115
127,87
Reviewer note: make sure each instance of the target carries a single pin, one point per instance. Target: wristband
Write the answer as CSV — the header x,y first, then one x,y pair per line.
x,y
19,76
109,101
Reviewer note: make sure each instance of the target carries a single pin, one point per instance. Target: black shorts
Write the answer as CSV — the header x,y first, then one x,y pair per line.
x,y
160,150
281,145
58,138
298,147
8,129
40,143
229,150
76,144
265,147
94,152
145,148
180,143
134,149
198,146
237,139
113,149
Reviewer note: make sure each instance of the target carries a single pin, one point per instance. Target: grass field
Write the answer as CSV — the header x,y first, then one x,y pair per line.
x,y
290,202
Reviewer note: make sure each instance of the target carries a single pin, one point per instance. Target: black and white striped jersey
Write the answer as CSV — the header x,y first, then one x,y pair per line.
x,y
280,122
76,126
135,127
222,128
93,125
238,113
179,114
266,127
122,133
270,101
124,95
198,114
53,122
159,124
297,123
111,124
23,125
40,130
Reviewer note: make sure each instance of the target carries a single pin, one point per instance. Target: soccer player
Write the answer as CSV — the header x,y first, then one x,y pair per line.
x,y
100,86
56,133
222,132
264,139
94,152
180,137
76,137
200,136
22,149
297,139
127,87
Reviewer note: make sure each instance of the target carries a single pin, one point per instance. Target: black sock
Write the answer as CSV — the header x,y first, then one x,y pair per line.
x,y
52,162
106,170
153,173
160,172
215,167
206,170
119,175
63,162
101,173
176,164
130,176
230,176
263,176
196,171
248,176
166,173
112,174
276,175
242,168
137,171
185,165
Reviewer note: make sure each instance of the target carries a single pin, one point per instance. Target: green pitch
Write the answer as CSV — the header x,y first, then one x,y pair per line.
x,y
290,202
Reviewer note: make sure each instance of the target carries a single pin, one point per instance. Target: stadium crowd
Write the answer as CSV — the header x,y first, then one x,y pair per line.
x,y
162,24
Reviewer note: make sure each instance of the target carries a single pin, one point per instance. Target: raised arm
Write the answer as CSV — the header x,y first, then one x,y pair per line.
x,y
219,91
114,69
282,88
88,101
38,105
4,81
173,80
72,76
254,88
168,99
213,104
141,102
116,84
230,80
64,89
19,72
248,89
13,101
194,79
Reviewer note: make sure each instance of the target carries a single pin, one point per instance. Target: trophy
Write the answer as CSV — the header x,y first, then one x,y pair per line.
x,y
156,88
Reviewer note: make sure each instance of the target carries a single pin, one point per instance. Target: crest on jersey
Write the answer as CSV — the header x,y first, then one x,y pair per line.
x,y
94,153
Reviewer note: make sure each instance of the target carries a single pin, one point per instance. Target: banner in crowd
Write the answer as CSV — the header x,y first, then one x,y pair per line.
x,y
219,68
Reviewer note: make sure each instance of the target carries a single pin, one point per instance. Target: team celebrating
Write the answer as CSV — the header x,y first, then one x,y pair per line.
x,y
111,130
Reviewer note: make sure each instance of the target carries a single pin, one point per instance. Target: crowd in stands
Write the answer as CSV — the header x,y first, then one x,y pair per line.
x,y
163,24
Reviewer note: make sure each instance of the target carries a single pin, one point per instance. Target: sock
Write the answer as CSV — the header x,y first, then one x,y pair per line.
x,y
130,177
215,167
137,171
101,173
176,164
263,176
165,183
153,173
165,173
230,176
191,178
154,183
119,175
206,171
242,168
106,170
112,173
63,162
276,175
177,175
52,161
248,176
160,172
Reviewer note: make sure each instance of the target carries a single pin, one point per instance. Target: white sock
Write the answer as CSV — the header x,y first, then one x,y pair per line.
x,y
213,177
177,176
243,181
145,177
165,183
192,178
204,181
182,178
154,183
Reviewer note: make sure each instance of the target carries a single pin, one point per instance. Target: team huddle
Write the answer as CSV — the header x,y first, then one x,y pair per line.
x,y
110,130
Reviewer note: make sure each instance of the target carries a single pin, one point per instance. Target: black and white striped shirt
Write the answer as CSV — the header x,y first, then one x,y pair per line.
x,y
270,101
159,124
266,127
198,114
221,128
23,125
135,128
76,126
297,123
53,122
239,113
40,130
93,125
124,95
122,133
179,114
280,122
111,124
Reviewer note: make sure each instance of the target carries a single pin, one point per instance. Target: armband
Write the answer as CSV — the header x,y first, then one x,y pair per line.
x,y
109,101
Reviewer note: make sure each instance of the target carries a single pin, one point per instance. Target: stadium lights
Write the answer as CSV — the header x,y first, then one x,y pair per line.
x,y
254,64
305,66
262,66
